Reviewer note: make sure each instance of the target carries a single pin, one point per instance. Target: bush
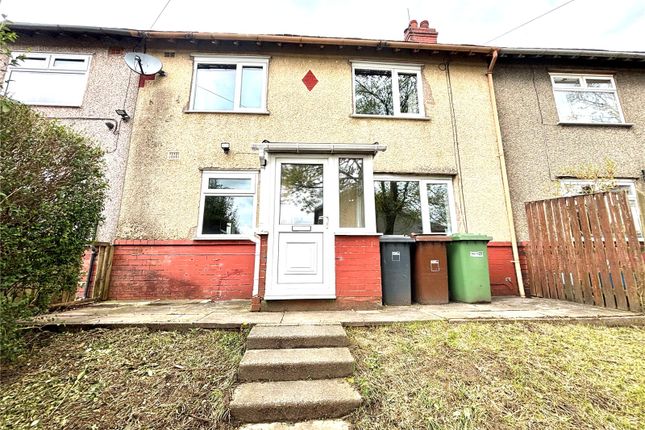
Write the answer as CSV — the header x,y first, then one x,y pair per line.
x,y
52,192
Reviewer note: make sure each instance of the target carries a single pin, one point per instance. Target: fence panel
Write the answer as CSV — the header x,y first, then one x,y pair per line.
x,y
585,249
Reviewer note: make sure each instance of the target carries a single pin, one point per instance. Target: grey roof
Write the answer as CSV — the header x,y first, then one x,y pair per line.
x,y
511,53
591,54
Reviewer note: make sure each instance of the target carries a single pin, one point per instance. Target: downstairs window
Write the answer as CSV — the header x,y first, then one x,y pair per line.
x,y
227,207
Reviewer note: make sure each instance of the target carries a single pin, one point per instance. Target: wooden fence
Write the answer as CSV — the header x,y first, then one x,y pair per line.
x,y
99,279
585,249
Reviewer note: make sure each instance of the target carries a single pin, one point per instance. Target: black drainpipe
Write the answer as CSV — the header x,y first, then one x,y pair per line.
x,y
90,271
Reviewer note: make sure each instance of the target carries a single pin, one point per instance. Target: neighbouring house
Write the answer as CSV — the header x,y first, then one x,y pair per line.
x,y
76,76
268,166
565,114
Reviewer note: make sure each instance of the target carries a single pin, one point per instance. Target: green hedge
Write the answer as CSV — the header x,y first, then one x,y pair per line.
x,y
52,192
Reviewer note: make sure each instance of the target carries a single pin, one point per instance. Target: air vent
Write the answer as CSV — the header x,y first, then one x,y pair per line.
x,y
115,50
169,54
173,155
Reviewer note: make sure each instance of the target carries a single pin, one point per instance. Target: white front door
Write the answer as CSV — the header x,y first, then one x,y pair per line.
x,y
301,243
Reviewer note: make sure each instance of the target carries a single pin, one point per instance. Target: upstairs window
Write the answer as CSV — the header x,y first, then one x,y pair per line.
x,y
48,79
587,99
387,90
232,84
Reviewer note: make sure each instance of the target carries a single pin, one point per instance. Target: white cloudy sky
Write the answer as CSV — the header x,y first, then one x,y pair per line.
x,y
602,24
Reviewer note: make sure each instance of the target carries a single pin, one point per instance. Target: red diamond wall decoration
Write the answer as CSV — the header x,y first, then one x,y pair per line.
x,y
310,80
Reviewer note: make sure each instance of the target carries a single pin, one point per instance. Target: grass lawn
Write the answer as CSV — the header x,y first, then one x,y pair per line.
x,y
122,379
499,376
414,376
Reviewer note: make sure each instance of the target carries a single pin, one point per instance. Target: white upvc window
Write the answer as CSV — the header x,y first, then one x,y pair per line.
x,y
227,206
47,79
406,205
586,99
576,187
355,195
229,84
383,90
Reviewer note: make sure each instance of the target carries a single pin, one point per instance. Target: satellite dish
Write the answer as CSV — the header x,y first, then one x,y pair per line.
x,y
143,64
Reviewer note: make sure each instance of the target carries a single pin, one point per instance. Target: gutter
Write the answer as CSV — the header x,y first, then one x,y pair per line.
x,y
257,38
574,53
502,167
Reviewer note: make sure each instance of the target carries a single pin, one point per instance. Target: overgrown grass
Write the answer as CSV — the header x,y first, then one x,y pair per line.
x,y
122,379
499,376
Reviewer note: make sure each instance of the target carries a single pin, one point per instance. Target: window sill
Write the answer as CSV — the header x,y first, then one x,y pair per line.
x,y
52,105
356,233
600,124
413,118
243,112
224,237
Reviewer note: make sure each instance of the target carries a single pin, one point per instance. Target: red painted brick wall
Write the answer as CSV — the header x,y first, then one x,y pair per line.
x,y
358,271
147,269
85,267
522,248
503,281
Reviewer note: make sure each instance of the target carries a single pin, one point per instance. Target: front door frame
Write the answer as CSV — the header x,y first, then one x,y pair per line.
x,y
269,196
327,289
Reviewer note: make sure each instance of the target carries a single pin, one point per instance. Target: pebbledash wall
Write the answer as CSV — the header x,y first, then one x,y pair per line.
x,y
540,151
156,255
111,85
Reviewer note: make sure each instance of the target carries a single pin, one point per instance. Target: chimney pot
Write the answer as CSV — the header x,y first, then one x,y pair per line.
x,y
420,33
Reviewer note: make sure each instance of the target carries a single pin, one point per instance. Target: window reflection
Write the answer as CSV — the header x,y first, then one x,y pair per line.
x,y
588,106
352,201
228,215
215,87
408,93
373,89
398,207
438,208
301,194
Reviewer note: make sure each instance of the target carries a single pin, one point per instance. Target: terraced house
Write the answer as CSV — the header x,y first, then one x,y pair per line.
x,y
268,166
79,79
566,114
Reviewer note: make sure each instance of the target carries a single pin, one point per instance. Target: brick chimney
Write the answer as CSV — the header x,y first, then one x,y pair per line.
x,y
421,33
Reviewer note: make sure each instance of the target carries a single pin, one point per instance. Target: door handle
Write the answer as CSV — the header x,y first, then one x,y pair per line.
x,y
325,220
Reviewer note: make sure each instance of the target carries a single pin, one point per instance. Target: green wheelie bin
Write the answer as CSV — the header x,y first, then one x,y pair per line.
x,y
468,278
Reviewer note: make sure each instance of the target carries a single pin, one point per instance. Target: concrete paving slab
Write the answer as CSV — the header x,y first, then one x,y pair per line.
x,y
296,336
234,314
254,402
295,364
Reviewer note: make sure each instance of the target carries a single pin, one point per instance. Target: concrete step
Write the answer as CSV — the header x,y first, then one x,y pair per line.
x,y
304,425
296,336
295,364
257,402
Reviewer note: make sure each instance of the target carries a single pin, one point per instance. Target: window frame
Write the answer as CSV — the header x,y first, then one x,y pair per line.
x,y
205,191
239,62
48,67
368,196
394,68
423,196
585,88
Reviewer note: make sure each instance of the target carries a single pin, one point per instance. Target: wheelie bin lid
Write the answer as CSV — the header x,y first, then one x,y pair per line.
x,y
470,236
431,238
396,239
